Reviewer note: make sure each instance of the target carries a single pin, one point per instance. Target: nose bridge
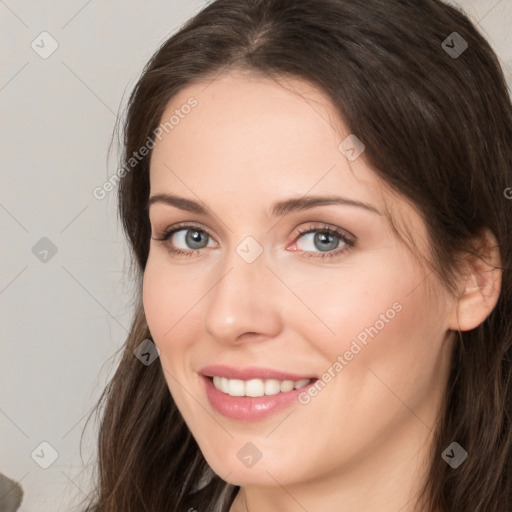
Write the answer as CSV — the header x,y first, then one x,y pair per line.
x,y
241,301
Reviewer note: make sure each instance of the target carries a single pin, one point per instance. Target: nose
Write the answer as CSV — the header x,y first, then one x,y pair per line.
x,y
244,303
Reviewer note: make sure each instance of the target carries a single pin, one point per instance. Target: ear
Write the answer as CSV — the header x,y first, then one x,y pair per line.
x,y
479,284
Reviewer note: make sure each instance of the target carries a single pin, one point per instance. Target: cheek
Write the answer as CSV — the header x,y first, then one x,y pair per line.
x,y
168,294
155,300
339,305
377,314
388,344
167,304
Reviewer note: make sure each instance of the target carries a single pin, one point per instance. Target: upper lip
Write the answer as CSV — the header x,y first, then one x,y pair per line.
x,y
250,372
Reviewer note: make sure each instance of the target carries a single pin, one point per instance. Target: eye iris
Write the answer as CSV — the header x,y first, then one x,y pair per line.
x,y
332,242
194,237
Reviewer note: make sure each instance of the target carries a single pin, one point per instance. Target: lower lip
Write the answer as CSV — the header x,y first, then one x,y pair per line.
x,y
247,408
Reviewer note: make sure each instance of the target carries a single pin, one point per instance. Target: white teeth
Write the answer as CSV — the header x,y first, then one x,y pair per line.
x,y
272,387
287,385
301,383
257,387
254,387
234,387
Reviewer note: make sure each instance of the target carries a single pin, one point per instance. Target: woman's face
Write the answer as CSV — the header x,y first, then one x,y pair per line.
x,y
264,299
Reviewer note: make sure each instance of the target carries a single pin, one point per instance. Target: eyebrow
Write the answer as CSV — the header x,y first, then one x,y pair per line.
x,y
279,208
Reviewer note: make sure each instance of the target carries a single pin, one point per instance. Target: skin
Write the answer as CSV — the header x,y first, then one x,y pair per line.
x,y
363,440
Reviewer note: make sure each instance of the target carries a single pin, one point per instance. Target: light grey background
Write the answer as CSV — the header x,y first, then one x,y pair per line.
x,y
63,318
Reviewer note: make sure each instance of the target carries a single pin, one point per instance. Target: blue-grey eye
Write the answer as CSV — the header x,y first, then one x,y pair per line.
x,y
320,240
191,238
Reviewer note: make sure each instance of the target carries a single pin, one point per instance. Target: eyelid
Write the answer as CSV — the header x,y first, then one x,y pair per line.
x,y
325,227
166,233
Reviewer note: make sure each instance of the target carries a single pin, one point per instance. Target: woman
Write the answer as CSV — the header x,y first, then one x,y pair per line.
x,y
315,196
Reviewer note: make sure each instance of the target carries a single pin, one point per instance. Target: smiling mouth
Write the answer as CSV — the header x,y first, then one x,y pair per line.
x,y
256,387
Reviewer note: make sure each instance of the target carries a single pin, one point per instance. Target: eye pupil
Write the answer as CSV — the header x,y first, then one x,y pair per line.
x,y
321,238
193,238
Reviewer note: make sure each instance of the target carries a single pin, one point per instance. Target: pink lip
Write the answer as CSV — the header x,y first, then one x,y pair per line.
x,y
247,408
251,372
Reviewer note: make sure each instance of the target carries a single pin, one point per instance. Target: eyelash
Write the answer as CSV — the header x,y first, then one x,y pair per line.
x,y
348,241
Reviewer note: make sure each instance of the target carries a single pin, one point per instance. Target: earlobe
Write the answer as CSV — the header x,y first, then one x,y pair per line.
x,y
479,287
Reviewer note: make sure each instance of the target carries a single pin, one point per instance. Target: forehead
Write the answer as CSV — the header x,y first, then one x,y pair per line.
x,y
254,131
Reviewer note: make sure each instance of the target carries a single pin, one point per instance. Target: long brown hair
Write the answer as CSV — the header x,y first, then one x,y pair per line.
x,y
437,129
